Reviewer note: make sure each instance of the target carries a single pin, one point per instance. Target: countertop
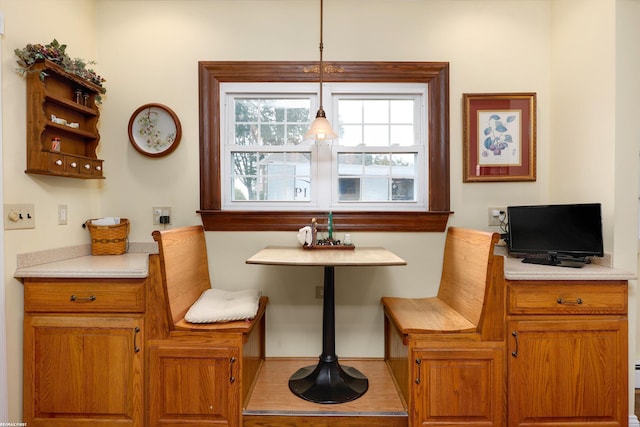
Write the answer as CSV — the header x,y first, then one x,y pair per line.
x,y
136,265
515,269
129,265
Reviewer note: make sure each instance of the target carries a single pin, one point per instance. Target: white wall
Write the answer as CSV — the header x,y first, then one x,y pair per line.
x,y
148,52
499,46
37,21
594,127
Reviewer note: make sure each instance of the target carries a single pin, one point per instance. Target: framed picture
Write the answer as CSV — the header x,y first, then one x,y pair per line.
x,y
499,137
154,130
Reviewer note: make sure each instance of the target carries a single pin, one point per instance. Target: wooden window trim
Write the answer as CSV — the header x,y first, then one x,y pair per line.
x,y
436,74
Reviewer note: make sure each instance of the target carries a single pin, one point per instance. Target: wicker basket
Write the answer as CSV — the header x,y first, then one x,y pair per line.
x,y
109,239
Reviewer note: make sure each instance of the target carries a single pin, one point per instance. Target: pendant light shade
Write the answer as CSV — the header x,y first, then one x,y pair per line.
x,y
320,129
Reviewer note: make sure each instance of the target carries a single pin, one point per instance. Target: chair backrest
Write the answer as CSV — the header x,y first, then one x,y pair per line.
x,y
468,270
184,267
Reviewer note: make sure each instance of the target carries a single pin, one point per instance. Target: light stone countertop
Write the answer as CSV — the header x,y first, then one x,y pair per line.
x,y
515,269
129,265
76,262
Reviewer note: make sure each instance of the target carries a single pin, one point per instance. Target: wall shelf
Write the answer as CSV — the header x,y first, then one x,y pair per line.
x,y
57,148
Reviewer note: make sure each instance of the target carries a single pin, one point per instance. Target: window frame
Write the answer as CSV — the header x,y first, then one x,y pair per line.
x,y
435,74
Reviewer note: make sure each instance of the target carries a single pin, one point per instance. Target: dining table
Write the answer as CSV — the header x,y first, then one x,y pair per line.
x,y
328,381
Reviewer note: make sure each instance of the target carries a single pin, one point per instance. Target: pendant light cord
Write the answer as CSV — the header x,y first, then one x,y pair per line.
x,y
321,49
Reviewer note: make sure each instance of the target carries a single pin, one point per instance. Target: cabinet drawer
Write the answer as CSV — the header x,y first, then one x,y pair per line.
x,y
90,167
84,297
567,298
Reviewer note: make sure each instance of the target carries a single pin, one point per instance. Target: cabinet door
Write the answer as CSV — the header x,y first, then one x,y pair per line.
x,y
83,371
193,384
568,372
459,386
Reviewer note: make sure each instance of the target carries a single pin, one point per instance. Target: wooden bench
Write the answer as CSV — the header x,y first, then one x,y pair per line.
x,y
197,372
447,353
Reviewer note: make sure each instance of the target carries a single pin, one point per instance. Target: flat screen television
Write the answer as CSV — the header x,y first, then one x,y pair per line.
x,y
563,235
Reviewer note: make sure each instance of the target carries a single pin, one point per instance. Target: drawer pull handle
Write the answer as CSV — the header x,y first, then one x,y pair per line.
x,y
515,337
136,331
577,301
232,379
75,298
418,362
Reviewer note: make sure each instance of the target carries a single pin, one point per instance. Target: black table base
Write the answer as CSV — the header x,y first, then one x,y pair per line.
x,y
328,382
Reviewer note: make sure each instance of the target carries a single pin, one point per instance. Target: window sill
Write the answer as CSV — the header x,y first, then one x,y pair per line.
x,y
217,220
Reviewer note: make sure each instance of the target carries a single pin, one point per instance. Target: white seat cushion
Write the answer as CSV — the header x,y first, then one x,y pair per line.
x,y
217,305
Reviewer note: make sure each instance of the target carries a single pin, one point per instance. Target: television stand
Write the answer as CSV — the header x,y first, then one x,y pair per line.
x,y
556,261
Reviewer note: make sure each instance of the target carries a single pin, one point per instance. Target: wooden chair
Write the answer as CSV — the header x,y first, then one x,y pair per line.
x,y
194,368
447,353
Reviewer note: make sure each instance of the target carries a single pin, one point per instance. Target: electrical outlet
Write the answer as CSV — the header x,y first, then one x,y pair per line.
x,y
497,216
319,292
159,214
19,216
63,214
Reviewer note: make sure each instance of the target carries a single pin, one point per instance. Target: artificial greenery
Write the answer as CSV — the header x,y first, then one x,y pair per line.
x,y
56,53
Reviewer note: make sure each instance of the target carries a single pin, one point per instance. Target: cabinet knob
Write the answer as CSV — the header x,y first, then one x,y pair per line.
x,y
87,166
98,168
74,165
59,162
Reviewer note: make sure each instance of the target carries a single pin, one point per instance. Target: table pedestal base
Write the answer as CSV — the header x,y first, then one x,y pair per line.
x,y
328,382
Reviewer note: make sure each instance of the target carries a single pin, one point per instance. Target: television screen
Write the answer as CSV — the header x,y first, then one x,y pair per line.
x,y
554,233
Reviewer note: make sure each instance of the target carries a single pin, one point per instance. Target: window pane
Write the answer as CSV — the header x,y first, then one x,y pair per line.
x,y
377,122
350,111
272,134
402,189
402,135
403,164
270,121
350,164
377,177
376,135
349,189
375,189
377,164
246,135
376,111
401,111
247,110
271,176
351,135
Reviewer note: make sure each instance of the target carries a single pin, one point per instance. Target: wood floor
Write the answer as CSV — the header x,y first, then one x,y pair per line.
x,y
272,404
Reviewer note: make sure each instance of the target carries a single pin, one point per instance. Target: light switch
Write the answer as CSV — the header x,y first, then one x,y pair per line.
x,y
19,216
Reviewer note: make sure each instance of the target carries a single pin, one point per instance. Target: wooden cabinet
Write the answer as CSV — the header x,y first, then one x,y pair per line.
x,y
101,353
194,382
83,352
567,357
458,384
62,118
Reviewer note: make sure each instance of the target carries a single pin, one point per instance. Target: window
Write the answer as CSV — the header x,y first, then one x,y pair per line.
x,y
389,170
376,163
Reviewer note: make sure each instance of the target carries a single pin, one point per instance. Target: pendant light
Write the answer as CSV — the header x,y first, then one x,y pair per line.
x,y
320,128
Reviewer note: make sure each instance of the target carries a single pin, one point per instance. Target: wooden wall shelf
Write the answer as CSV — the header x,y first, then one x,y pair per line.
x,y
52,92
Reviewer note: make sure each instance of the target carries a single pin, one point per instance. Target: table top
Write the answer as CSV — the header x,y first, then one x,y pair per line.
x,y
288,255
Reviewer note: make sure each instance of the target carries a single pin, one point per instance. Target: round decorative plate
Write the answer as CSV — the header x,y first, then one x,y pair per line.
x,y
154,130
